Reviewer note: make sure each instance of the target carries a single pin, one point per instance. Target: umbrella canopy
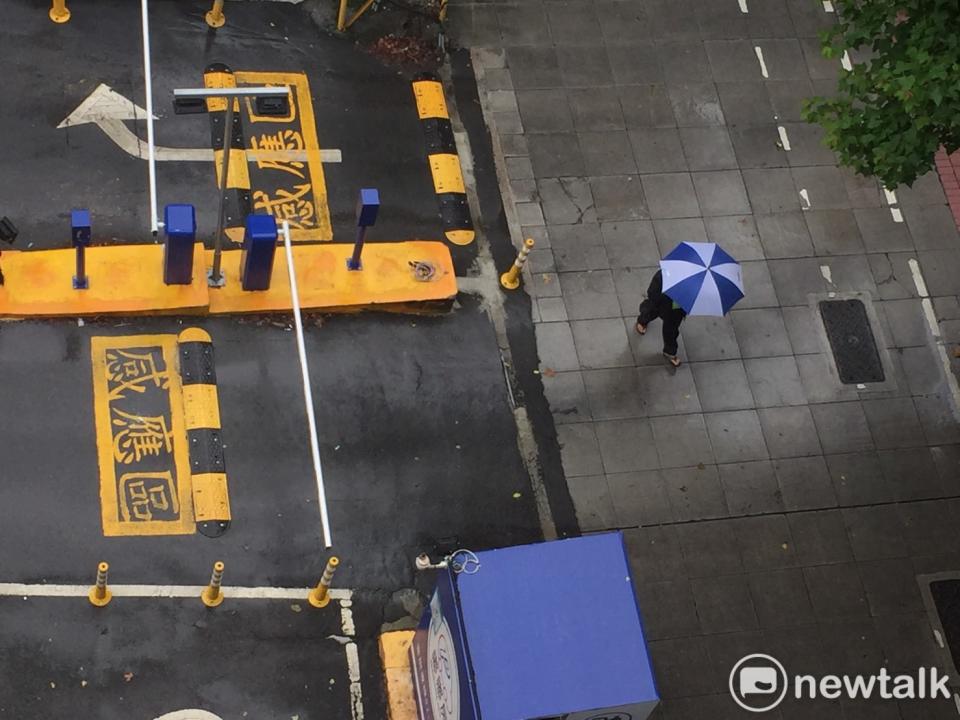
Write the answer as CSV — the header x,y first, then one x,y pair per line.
x,y
702,278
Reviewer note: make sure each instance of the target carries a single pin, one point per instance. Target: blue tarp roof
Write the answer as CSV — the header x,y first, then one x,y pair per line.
x,y
554,628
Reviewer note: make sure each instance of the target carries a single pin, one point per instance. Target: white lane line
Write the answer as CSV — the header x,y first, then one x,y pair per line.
x,y
931,317
148,91
891,196
763,66
805,198
784,139
26,590
743,6
827,6
892,201
845,61
307,391
356,690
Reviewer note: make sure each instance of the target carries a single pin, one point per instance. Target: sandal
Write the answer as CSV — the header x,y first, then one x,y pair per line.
x,y
674,359
641,329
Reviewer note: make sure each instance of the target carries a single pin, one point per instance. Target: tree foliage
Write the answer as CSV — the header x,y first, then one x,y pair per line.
x,y
901,101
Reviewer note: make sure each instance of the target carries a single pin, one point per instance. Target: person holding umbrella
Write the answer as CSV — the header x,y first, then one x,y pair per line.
x,y
693,279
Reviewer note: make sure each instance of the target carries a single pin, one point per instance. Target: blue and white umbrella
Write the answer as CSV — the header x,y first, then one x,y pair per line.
x,y
702,278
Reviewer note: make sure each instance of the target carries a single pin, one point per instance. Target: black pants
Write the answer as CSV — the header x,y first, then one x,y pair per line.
x,y
671,322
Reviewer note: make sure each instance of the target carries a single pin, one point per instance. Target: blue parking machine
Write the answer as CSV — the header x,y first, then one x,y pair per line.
x,y
259,249
180,234
550,631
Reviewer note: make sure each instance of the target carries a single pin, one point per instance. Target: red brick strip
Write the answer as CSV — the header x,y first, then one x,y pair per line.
x,y
949,168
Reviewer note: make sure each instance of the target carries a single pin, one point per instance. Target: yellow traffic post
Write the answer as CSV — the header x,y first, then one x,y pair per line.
x,y
215,17
59,12
212,595
100,594
442,15
511,278
320,596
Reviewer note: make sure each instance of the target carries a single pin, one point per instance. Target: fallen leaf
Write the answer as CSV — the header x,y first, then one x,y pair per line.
x,y
83,683
549,372
517,495
295,607
127,676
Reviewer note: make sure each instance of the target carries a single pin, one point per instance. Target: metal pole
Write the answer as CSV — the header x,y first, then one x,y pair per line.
x,y
307,392
215,18
80,279
354,263
148,81
215,279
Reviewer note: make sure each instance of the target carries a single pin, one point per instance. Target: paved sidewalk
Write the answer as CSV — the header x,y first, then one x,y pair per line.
x,y
768,507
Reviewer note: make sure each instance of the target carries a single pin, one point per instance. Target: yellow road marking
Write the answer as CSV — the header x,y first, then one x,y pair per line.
x,y
238,174
201,408
430,100
211,500
460,237
145,486
447,177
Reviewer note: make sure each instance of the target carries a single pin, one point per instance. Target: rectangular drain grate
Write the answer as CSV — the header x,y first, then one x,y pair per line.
x,y
946,600
852,341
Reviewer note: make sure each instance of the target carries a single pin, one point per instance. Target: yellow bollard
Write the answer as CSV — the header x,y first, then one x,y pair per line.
x,y
212,595
59,12
442,15
215,18
320,596
511,278
100,594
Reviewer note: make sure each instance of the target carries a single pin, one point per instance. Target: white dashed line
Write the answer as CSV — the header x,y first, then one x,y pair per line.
x,y
827,6
891,197
763,66
784,140
743,6
845,61
805,198
931,317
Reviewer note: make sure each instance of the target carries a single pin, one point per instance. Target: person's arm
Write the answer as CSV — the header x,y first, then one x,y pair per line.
x,y
656,287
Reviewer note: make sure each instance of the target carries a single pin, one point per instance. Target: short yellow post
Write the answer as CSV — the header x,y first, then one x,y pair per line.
x,y
59,12
100,594
320,596
212,595
443,11
511,278
215,17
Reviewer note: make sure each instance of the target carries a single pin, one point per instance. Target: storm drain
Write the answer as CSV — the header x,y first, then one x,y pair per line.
x,y
946,601
852,341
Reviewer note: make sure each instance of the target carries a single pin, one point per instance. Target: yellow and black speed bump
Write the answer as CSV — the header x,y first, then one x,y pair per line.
x,y
201,410
443,159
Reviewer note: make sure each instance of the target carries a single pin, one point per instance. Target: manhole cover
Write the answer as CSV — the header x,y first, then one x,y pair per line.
x,y
946,600
852,341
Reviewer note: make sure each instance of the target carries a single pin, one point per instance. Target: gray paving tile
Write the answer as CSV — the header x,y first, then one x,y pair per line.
x,y
808,18
552,309
595,109
695,493
647,351
497,78
724,604
529,214
682,666
836,592
519,168
853,648
757,146
745,103
622,21
784,58
834,232
522,24
667,390
851,273
936,418
555,155
607,153
640,498
758,284
775,381
875,532
924,374
671,232
626,445
786,98
579,450
602,343
751,488
736,436
543,285
770,19
507,122
619,197
555,347
906,322
804,483
765,542
589,294
820,538
654,554
687,61
708,338
892,275
721,21
891,587
818,67
721,192
796,278
614,394
525,189
893,422
573,23
591,501
696,104
881,233
926,191
670,195
941,270
789,431
584,66
801,328
737,234
646,105
857,479
780,598
657,150
681,440
630,244
911,473
544,111
733,60
842,427
668,610
578,247
632,285
824,184
932,227
819,380
761,332
566,396
673,18
928,527
638,63
807,146
722,385
863,192
771,190
708,148
474,26
533,66
709,548
566,201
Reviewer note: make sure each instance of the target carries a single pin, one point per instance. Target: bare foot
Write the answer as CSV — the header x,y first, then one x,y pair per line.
x,y
641,329
674,360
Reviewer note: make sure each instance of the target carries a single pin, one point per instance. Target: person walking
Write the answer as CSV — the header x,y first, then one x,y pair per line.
x,y
659,305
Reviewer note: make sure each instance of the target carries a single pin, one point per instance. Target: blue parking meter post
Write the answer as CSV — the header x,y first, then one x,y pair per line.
x,y
180,230
259,249
80,238
368,204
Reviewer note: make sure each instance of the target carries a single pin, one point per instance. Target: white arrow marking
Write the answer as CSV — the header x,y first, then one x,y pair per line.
x,y
109,109
189,715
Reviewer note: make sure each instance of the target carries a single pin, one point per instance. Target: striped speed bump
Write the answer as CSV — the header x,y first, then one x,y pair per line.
x,y
201,409
443,159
